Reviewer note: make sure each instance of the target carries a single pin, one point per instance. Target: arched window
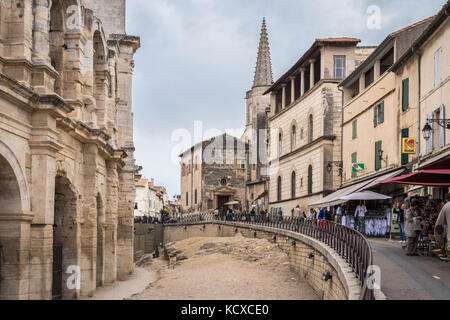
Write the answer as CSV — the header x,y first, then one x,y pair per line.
x,y
293,183
195,196
280,144
310,181
293,138
310,129
279,189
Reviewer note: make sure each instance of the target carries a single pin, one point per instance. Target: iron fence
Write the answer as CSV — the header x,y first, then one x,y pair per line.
x,y
350,244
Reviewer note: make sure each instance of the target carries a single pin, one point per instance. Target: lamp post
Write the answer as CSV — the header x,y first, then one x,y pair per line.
x,y
428,130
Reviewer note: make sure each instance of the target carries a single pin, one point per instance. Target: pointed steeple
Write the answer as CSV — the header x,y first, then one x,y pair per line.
x,y
263,72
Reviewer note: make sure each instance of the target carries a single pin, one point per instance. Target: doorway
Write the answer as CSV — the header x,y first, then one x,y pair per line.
x,y
221,200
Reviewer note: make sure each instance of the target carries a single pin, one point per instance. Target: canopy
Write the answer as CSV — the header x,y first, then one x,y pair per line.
x,y
336,197
232,203
435,178
443,163
365,195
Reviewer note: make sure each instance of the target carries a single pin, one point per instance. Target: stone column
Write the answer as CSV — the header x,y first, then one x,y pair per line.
x,y
376,70
311,72
283,96
302,82
41,45
89,226
292,89
273,102
362,83
43,171
112,207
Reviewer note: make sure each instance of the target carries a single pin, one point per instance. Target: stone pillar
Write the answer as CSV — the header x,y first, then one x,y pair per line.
x,y
311,72
283,96
292,89
273,102
376,70
362,83
43,154
41,45
89,226
112,207
302,82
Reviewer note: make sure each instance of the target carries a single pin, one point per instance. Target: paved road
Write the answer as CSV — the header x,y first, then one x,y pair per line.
x,y
410,278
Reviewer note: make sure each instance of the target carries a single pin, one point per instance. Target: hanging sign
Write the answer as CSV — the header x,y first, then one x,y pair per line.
x,y
358,167
409,146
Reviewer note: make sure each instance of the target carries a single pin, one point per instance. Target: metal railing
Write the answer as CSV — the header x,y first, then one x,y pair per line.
x,y
350,244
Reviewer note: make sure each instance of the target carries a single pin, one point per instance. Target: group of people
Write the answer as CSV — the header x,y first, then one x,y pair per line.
x,y
224,215
418,223
146,219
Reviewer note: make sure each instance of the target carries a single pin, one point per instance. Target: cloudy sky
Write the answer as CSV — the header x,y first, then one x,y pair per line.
x,y
198,57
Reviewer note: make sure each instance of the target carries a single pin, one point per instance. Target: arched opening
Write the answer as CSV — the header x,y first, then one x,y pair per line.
x,y
280,144
100,264
293,138
310,128
279,189
11,259
57,43
100,85
66,242
310,180
293,183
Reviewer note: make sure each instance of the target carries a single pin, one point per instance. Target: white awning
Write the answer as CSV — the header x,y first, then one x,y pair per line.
x,y
335,198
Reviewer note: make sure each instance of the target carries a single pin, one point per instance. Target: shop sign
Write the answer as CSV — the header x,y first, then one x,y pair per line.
x,y
409,146
358,167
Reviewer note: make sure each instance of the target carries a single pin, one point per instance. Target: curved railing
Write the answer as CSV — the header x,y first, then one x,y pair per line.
x,y
348,243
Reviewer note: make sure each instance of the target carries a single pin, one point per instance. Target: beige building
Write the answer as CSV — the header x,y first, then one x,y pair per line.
x,y
213,174
305,124
66,147
255,135
380,109
430,54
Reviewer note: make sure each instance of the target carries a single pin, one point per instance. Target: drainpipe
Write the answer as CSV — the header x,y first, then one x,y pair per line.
x,y
419,81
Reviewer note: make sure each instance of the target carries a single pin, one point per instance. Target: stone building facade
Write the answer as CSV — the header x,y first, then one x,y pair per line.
x,y
305,124
255,134
212,174
66,147
380,109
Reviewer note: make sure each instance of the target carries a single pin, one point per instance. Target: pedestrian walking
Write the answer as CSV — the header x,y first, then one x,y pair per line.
x,y
412,218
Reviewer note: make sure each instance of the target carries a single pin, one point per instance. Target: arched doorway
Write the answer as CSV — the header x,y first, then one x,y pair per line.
x,y
12,275
100,262
66,242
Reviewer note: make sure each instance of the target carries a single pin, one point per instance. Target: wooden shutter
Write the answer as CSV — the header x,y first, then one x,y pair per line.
x,y
437,67
378,146
381,111
375,116
430,141
405,94
355,129
354,159
405,157
442,129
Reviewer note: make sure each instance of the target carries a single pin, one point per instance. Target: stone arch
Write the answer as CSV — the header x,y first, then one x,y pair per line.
x,y
310,122
293,131
56,39
66,240
100,75
101,241
14,227
12,165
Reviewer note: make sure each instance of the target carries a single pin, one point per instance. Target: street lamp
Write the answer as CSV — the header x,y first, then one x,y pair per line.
x,y
426,131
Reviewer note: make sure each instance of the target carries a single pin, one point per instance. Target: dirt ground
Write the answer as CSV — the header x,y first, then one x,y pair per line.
x,y
224,268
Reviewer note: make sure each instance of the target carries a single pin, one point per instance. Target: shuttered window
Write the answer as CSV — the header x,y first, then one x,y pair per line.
x,y
378,146
375,116
381,112
437,67
355,129
405,157
405,94
442,129
354,159
429,147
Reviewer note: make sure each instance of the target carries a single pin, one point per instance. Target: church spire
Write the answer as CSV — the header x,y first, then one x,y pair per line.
x,y
263,72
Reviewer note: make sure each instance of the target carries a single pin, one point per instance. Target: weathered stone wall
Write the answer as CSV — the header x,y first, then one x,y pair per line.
x,y
343,284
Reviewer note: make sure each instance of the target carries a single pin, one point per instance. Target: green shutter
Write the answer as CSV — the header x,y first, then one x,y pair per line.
x,y
405,94
377,157
355,129
354,159
382,111
375,116
405,157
